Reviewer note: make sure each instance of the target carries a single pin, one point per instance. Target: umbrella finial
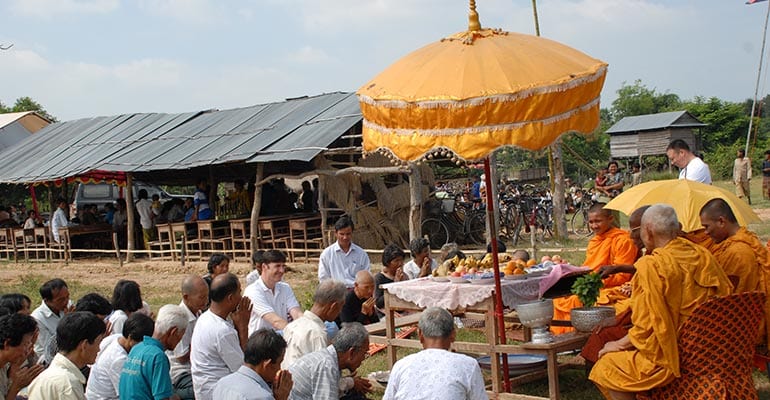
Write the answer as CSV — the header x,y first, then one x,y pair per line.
x,y
473,18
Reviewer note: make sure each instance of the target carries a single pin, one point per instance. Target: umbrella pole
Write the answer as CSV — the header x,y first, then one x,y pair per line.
x,y
496,263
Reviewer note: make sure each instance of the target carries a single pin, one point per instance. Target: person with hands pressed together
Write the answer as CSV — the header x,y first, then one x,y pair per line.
x,y
392,271
17,336
262,364
217,344
359,302
421,263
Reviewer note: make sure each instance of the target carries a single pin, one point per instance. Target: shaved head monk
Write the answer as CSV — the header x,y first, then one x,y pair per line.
x,y
673,278
609,246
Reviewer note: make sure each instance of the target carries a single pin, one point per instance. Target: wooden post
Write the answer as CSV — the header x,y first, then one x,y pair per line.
x,y
415,202
256,207
495,195
322,208
130,216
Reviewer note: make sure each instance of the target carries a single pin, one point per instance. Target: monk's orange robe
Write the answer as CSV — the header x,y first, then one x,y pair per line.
x,y
613,247
700,237
668,285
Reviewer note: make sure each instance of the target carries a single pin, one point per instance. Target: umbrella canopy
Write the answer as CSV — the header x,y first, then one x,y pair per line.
x,y
477,90
686,197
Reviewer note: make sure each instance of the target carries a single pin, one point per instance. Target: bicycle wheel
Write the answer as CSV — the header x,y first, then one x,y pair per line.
x,y
436,231
579,223
476,229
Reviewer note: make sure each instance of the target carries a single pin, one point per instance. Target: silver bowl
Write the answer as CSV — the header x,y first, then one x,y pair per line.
x,y
537,315
585,319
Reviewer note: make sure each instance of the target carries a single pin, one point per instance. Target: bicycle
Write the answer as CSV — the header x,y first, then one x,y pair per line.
x,y
528,212
579,220
455,222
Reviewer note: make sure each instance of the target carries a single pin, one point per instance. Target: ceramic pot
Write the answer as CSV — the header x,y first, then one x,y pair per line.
x,y
585,319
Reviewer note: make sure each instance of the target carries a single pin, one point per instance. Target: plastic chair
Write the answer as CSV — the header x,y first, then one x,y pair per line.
x,y
716,347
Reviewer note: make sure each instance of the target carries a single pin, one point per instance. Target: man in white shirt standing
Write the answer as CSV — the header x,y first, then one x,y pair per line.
x,y
146,217
56,302
273,302
343,259
217,344
59,219
195,296
104,378
691,167
435,372
308,333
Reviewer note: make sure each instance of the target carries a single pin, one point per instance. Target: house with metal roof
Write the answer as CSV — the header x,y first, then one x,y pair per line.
x,y
15,127
645,135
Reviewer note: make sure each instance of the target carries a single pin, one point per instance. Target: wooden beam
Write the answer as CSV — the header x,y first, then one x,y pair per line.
x,y
256,207
337,172
415,202
130,216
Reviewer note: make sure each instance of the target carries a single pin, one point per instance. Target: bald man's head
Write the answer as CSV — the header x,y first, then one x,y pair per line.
x,y
635,224
716,208
718,220
364,286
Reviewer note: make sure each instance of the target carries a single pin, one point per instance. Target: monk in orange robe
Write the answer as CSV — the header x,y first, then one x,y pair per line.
x,y
740,253
609,246
670,282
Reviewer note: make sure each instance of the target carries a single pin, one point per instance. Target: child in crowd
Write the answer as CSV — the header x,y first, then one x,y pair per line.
x,y
256,261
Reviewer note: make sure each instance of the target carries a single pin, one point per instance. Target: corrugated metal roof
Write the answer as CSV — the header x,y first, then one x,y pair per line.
x,y
297,129
639,123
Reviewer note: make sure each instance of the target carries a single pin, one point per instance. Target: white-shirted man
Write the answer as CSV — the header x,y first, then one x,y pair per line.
x,y
691,167
56,302
343,259
195,296
273,302
435,372
217,344
59,219
104,378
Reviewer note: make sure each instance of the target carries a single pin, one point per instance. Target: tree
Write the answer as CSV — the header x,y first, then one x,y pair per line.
x,y
638,99
27,104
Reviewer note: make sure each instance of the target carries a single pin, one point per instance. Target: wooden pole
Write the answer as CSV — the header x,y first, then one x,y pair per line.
x,y
256,208
415,202
492,233
323,209
130,216
559,215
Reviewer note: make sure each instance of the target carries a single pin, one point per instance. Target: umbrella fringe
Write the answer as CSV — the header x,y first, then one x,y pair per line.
x,y
477,101
478,130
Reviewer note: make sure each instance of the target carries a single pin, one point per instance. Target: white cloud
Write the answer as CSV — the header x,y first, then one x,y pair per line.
x,y
195,12
51,8
309,55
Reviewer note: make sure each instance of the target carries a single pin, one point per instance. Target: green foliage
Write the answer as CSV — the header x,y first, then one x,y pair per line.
x,y
727,122
638,99
27,104
586,288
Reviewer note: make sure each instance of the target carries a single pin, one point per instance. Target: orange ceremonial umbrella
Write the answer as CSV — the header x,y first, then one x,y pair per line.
x,y
478,90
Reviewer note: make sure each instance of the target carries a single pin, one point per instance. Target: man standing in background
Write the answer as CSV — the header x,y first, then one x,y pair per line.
x,y
766,175
742,175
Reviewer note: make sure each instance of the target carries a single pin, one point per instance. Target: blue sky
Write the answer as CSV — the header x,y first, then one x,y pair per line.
x,y
82,58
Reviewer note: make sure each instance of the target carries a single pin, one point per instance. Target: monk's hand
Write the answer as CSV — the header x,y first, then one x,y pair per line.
x,y
367,307
611,347
607,270
282,385
626,289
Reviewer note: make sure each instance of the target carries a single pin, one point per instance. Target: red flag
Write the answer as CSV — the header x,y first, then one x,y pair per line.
x,y
754,1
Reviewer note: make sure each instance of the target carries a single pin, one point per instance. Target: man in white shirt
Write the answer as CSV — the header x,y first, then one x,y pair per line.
x,y
316,375
104,378
78,336
421,263
273,302
195,296
146,217
343,259
435,372
308,333
216,348
56,302
262,364
690,166
59,219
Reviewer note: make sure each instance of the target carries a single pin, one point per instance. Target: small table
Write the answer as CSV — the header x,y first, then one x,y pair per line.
x,y
477,301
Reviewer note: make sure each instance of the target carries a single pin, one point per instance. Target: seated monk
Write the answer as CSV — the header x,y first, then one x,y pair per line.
x,y
609,246
738,251
670,282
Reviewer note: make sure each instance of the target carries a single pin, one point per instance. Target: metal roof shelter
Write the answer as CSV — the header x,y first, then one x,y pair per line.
x,y
650,134
285,135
